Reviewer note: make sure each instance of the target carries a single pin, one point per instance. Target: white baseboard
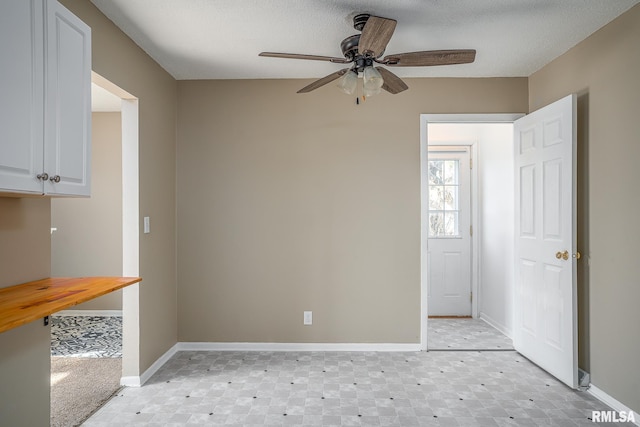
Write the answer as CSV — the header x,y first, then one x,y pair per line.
x,y
269,346
496,325
133,381
612,402
103,313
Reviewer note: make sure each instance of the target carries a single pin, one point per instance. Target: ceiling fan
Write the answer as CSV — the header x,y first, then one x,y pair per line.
x,y
365,49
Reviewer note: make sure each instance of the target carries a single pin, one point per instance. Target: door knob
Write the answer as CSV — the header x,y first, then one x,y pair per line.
x,y
562,255
55,178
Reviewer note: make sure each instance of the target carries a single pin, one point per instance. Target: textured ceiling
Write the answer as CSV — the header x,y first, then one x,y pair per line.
x,y
221,39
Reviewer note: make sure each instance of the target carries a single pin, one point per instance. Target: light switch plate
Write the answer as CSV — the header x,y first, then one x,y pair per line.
x,y
308,317
147,226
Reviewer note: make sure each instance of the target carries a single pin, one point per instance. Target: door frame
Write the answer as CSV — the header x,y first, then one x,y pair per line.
x,y
425,120
130,374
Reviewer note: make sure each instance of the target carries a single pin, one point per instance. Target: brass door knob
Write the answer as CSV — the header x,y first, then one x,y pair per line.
x,y
562,255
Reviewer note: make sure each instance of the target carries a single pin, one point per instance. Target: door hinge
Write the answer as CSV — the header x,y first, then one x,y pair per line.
x,y
470,163
471,296
471,230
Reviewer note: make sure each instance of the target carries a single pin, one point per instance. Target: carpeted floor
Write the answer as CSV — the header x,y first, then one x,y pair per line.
x,y
80,386
86,366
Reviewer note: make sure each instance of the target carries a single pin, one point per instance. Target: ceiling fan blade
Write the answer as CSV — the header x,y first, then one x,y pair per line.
x,y
376,35
430,57
300,56
392,83
323,81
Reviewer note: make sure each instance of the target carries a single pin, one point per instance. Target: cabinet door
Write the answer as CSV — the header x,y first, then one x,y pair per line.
x,y
21,95
67,139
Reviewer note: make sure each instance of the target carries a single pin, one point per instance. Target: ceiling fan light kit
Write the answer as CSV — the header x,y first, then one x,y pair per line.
x,y
363,50
349,82
372,81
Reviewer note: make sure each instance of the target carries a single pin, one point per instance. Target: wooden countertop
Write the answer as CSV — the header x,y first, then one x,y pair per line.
x,y
27,302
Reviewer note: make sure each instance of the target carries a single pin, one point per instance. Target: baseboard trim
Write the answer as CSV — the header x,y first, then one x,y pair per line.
x,y
133,381
102,313
496,325
268,346
615,404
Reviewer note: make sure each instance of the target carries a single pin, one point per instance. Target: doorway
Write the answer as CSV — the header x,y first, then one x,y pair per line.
x,y
489,139
98,236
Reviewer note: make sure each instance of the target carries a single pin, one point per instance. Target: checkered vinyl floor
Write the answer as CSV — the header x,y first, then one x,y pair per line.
x,y
452,388
465,334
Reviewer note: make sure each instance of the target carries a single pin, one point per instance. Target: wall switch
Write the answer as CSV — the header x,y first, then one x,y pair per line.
x,y
147,227
308,317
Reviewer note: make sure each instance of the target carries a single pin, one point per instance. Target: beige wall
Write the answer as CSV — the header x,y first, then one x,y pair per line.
x,y
291,202
88,241
603,70
119,60
25,352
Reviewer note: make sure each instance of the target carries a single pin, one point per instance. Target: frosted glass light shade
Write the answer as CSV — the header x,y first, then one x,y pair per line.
x,y
372,81
348,82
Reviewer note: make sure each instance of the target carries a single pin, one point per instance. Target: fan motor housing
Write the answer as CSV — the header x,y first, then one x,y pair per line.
x,y
349,46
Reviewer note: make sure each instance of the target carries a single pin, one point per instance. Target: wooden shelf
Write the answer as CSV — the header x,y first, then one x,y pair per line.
x,y
27,302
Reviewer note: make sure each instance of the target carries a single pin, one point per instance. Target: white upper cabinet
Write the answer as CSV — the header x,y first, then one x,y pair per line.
x,y
22,99
45,107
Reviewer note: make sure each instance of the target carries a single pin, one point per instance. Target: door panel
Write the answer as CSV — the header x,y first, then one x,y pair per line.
x,y
545,314
22,92
68,126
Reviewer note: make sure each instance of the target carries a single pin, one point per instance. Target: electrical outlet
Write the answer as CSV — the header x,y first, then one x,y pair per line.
x,y
308,317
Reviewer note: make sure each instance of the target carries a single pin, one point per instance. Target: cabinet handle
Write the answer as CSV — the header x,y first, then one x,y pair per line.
x,y
55,178
43,176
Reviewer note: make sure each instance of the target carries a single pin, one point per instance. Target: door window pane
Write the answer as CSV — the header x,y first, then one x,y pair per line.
x,y
436,198
450,198
436,223
436,172
443,198
451,172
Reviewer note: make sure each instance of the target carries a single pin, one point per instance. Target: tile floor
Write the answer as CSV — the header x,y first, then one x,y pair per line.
x,y
446,388
465,334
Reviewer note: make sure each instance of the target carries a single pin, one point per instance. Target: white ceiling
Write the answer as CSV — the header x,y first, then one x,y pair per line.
x,y
104,101
221,39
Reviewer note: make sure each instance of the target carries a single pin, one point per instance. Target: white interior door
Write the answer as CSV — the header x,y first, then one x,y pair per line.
x,y
449,241
545,314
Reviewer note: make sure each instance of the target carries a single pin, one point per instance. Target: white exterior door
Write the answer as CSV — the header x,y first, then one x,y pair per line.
x,y
449,240
545,314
